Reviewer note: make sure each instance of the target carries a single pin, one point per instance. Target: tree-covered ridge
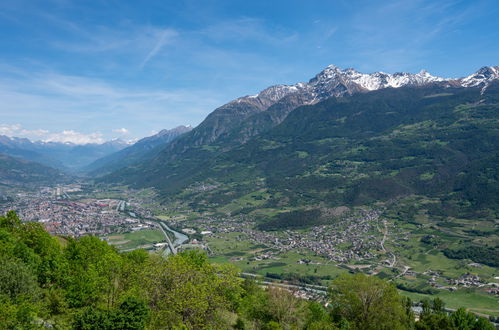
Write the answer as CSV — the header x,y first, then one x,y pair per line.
x,y
487,256
63,283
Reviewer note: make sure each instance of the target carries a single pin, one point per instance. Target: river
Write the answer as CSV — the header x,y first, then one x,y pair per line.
x,y
179,238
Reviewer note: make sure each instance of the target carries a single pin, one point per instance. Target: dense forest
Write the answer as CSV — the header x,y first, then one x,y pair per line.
x,y
61,283
487,256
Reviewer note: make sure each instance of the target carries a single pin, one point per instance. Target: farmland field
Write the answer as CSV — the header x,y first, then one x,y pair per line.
x,y
132,240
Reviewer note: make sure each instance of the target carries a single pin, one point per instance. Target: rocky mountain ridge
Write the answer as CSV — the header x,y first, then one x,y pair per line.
x,y
237,121
334,81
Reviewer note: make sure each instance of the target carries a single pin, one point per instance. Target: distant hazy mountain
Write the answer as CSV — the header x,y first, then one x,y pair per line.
x,y
23,148
142,150
15,171
65,156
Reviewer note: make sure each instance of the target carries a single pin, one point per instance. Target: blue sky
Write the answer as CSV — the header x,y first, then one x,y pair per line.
x,y
86,71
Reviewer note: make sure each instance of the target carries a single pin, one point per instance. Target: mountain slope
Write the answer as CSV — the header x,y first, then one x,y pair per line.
x,y
432,141
388,144
14,171
239,121
139,151
236,122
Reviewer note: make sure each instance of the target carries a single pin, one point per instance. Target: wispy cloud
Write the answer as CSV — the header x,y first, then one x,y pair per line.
x,y
247,29
164,37
139,41
78,103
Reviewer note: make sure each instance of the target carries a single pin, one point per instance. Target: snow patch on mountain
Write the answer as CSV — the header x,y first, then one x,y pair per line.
x,y
373,81
483,76
334,81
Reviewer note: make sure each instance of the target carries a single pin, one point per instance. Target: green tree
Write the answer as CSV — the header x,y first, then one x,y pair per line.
x,y
10,221
438,305
432,321
94,269
186,289
317,317
368,302
51,266
463,320
254,303
19,295
17,280
133,313
285,308
483,324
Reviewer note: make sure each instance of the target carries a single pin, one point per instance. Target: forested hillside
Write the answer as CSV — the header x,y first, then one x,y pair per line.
x,y
430,141
55,282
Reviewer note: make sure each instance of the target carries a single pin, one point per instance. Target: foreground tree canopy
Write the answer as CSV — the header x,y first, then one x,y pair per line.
x,y
65,283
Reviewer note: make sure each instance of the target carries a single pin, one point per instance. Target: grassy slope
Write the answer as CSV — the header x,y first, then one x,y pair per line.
x,y
136,239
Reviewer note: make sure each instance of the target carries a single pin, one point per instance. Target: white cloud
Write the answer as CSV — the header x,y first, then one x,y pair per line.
x,y
75,137
18,130
9,130
122,131
66,136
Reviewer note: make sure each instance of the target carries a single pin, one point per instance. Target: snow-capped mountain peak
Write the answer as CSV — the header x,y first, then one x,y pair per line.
x,y
372,81
275,93
483,76
334,81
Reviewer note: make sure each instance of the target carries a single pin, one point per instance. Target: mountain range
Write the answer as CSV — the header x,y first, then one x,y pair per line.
x,y
237,121
344,137
22,160
139,151
68,157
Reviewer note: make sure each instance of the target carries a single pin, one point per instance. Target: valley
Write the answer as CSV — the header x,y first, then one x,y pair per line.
x,y
372,239
249,165
392,176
